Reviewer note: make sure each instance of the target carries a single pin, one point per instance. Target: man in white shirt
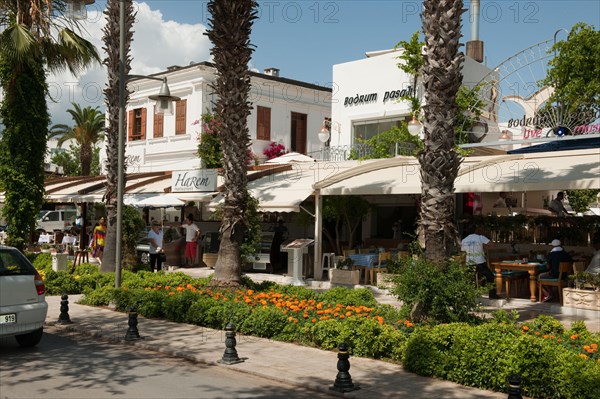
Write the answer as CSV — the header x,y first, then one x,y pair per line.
x,y
192,232
474,245
155,236
556,205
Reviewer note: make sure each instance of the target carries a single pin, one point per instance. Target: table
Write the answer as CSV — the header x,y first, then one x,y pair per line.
x,y
533,268
364,262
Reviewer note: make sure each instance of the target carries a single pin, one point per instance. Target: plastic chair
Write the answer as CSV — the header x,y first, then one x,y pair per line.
x,y
329,259
563,270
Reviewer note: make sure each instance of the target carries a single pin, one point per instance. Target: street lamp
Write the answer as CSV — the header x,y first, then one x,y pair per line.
x,y
76,9
414,127
324,136
164,105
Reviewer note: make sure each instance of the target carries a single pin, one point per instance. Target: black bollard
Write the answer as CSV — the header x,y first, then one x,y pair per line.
x,y
132,333
514,386
230,356
343,380
63,317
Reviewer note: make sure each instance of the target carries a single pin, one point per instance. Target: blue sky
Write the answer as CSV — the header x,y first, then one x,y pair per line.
x,y
304,39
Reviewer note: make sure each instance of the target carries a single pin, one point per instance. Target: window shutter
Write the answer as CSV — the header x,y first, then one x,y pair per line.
x,y
263,123
130,124
159,120
143,128
180,117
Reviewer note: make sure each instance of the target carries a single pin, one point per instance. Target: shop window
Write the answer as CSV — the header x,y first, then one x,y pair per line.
x,y
136,127
370,129
180,116
159,120
263,123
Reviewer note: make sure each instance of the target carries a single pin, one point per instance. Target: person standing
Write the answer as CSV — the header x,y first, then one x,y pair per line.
x,y
155,236
98,238
556,205
474,246
192,233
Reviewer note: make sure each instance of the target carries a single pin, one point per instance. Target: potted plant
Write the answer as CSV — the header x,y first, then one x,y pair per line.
x,y
586,291
343,273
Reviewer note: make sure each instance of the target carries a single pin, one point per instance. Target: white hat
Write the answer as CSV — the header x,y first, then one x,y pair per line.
x,y
555,243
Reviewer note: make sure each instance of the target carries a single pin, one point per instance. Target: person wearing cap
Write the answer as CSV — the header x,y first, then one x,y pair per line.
x,y
557,254
155,236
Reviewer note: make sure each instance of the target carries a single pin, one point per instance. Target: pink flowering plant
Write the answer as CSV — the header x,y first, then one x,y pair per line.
x,y
275,150
209,149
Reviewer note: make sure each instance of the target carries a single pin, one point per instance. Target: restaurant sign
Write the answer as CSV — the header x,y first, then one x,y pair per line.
x,y
203,180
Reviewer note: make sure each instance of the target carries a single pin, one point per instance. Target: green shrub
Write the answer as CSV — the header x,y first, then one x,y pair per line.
x,y
348,296
265,322
446,293
42,261
427,348
101,296
175,307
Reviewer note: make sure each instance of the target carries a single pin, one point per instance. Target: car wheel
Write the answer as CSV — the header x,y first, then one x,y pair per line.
x,y
145,258
30,339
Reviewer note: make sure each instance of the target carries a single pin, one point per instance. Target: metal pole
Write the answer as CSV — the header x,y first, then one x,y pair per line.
x,y
121,152
318,236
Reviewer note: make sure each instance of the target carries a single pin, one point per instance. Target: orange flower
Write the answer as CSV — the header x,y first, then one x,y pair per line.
x,y
525,328
342,316
574,337
314,320
249,292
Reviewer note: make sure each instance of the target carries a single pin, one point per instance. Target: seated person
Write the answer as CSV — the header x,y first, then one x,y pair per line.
x,y
554,258
594,266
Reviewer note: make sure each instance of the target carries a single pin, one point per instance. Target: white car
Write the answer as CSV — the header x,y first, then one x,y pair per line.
x,y
23,306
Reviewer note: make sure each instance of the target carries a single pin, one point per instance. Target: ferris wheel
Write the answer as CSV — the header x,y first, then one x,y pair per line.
x,y
512,103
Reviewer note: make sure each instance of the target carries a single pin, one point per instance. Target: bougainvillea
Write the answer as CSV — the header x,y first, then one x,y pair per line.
x,y
275,150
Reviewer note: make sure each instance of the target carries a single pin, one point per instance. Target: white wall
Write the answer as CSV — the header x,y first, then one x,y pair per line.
x,y
178,152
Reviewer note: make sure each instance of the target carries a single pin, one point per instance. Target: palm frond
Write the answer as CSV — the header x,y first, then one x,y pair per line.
x,y
17,43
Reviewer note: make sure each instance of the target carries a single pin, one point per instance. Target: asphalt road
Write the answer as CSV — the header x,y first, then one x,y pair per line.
x,y
61,367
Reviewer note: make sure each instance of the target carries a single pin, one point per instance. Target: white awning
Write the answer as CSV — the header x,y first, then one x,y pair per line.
x,y
524,172
285,191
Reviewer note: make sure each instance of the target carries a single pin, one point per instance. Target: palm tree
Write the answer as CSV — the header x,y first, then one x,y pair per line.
x,y
111,92
439,161
87,131
230,26
36,39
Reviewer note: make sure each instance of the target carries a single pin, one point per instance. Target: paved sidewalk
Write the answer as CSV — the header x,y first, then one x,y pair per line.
x,y
289,363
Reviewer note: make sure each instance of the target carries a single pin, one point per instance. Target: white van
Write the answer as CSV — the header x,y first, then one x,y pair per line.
x,y
60,219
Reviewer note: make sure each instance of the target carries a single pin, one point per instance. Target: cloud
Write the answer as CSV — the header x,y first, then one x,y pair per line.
x,y
156,45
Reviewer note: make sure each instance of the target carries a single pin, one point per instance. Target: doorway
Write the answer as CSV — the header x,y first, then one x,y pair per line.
x,y
298,130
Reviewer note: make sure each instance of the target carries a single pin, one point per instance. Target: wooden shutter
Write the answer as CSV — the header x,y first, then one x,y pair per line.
x,y
263,123
143,125
159,120
180,116
130,124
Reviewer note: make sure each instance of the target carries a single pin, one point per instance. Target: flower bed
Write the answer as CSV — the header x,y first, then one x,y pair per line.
x,y
553,361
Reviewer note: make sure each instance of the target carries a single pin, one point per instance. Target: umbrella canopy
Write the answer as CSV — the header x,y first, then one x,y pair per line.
x,y
291,157
158,201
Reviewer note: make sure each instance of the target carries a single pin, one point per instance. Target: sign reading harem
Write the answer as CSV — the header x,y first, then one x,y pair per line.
x,y
194,180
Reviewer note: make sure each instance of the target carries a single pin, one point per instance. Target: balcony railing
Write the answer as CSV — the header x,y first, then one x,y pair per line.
x,y
360,151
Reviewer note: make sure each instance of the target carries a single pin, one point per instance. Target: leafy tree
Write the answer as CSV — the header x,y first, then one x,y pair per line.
x,y
412,63
442,78
69,161
574,72
580,200
229,30
383,144
86,132
344,211
113,62
209,148
35,40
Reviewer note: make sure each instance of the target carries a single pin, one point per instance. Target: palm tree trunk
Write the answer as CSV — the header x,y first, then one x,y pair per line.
x,y
112,61
230,27
439,161
85,158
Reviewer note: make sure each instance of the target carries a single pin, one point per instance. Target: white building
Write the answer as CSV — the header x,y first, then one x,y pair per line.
x,y
286,111
366,100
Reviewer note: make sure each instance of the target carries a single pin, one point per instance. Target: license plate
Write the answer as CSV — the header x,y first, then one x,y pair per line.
x,y
8,318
